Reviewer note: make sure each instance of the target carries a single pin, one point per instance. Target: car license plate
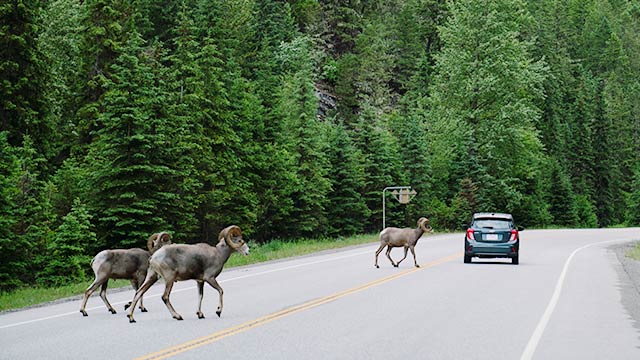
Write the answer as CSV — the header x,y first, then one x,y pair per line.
x,y
492,237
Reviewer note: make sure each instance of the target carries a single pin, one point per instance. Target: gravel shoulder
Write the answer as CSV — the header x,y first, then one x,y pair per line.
x,y
629,281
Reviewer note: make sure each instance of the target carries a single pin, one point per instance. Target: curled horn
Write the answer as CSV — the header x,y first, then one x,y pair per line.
x,y
156,239
423,223
230,231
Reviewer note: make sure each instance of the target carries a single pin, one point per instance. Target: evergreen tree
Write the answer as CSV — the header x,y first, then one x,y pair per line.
x,y
483,102
464,204
140,186
633,207
104,35
22,107
304,138
382,168
416,29
561,199
66,257
347,177
344,24
12,260
414,152
59,42
32,215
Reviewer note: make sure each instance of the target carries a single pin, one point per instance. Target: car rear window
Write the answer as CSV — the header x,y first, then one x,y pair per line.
x,y
492,224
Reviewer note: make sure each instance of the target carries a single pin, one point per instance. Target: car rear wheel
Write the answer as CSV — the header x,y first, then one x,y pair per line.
x,y
467,259
515,260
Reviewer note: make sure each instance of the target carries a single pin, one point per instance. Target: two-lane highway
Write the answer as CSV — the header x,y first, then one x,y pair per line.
x,y
562,302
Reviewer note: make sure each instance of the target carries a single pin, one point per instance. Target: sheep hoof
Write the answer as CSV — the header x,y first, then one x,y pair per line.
x,y
131,319
396,265
417,265
377,267
113,311
84,313
200,315
218,313
178,317
144,310
126,306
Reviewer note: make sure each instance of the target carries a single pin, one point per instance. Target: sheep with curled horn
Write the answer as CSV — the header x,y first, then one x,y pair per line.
x,y
200,262
131,264
392,237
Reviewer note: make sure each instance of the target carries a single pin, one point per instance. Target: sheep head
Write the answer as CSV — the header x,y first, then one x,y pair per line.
x,y
158,240
233,237
423,223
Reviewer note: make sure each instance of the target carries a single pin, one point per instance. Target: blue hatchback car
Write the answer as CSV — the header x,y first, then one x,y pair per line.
x,y
492,235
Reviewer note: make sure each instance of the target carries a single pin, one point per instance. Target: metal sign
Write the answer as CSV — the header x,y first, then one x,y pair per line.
x,y
404,194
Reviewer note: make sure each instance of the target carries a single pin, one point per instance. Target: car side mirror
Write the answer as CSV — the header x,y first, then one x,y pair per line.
x,y
520,228
465,226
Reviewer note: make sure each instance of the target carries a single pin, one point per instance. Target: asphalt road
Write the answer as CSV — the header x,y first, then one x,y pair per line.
x,y
570,298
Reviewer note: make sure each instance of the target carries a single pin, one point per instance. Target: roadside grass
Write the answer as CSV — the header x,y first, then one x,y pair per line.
x,y
276,249
635,252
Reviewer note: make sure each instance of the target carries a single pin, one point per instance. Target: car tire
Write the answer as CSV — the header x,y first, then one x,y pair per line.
x,y
467,259
515,260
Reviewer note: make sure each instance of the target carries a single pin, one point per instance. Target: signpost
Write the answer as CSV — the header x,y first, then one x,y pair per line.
x,y
403,194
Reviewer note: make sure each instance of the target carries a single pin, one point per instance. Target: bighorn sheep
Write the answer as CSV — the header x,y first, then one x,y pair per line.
x,y
199,262
408,238
129,264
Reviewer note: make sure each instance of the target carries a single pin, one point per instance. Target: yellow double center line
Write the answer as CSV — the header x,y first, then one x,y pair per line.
x,y
211,338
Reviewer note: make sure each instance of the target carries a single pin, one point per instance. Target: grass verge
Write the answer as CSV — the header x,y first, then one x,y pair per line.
x,y
277,249
635,252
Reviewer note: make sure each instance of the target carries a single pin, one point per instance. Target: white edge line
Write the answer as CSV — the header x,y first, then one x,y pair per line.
x,y
530,349
193,287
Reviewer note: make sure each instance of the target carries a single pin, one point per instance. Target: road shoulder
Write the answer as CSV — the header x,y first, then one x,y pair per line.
x,y
629,281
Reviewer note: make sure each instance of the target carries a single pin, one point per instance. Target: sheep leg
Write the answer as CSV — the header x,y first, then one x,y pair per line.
x,y
165,298
103,295
406,249
389,256
377,253
135,283
97,282
152,277
201,294
413,252
215,285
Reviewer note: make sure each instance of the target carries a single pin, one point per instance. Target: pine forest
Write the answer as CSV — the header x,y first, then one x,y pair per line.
x,y
121,118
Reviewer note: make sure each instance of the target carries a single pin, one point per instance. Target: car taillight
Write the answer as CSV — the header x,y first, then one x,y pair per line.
x,y
470,234
514,235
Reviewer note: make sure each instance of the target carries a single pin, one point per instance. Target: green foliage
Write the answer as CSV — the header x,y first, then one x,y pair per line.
x,y
304,137
561,199
414,154
136,174
633,212
382,168
66,258
483,103
347,177
59,42
196,114
22,76
10,242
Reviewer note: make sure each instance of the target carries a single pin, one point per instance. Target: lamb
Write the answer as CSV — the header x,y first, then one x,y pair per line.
x,y
200,262
129,264
408,238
